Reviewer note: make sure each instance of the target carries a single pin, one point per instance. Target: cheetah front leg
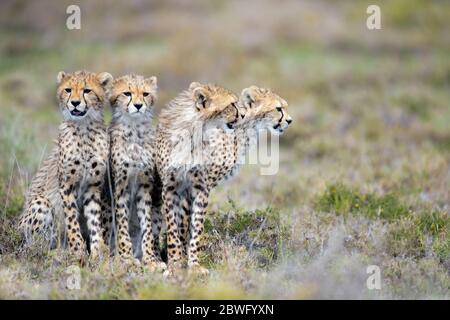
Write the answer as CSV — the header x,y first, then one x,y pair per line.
x,y
185,220
170,205
92,209
200,193
143,209
121,204
156,215
106,217
70,209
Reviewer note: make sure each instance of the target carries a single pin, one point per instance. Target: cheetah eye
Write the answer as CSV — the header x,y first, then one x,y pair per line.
x,y
145,94
68,90
279,109
128,94
87,91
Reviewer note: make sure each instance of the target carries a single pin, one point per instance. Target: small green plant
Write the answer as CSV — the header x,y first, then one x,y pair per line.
x,y
340,199
417,105
435,222
258,232
405,240
386,207
437,225
10,238
343,200
441,142
11,203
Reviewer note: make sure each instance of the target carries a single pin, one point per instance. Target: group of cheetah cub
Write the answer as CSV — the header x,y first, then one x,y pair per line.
x,y
138,178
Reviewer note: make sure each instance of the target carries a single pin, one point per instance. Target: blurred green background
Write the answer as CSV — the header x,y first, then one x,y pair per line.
x,y
371,114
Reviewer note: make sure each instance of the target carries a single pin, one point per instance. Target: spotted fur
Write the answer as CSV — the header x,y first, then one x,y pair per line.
x,y
180,169
43,203
71,180
261,109
224,150
132,98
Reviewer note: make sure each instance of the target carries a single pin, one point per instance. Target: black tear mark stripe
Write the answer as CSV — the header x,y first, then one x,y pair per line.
x,y
82,93
84,99
131,96
282,116
236,115
237,111
68,99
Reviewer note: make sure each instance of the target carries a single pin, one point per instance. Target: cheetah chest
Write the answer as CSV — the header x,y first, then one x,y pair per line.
x,y
137,151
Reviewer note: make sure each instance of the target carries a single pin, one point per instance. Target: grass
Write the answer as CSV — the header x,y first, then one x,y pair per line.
x,y
343,200
259,234
363,176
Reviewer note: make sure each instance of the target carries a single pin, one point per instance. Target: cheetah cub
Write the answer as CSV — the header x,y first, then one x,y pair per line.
x,y
183,126
262,109
83,155
70,181
132,98
225,150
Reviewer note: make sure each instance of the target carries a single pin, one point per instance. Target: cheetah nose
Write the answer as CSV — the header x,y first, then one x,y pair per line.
x,y
75,103
138,105
289,121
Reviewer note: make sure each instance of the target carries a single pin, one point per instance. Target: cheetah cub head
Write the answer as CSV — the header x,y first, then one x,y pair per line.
x,y
215,105
133,97
265,109
82,94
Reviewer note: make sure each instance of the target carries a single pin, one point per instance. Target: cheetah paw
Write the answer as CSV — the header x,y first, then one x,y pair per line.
x,y
78,257
155,266
99,252
173,271
130,263
198,270
173,275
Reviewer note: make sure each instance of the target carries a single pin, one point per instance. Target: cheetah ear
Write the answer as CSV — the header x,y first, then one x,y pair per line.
x,y
105,79
248,96
152,81
200,95
194,85
60,77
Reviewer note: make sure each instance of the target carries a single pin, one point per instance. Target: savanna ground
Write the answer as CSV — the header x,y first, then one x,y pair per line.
x,y
364,175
